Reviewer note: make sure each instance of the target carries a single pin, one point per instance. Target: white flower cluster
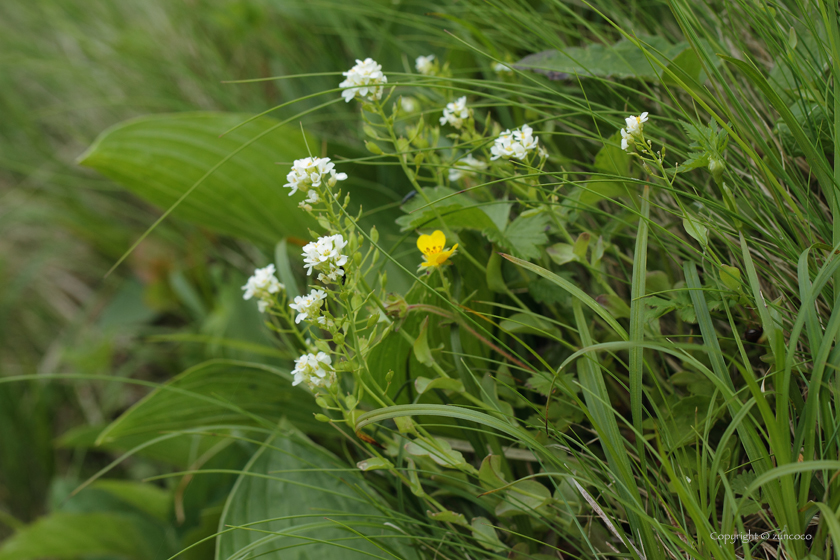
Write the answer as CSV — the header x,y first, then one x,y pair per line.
x,y
425,64
262,285
502,68
409,104
308,173
635,126
456,113
514,144
325,256
308,307
467,166
315,370
364,80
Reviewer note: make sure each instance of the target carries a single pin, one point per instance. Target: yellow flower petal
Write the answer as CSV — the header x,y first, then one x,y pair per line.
x,y
431,244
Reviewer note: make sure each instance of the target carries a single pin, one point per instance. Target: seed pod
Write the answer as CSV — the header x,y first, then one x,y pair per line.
x,y
753,335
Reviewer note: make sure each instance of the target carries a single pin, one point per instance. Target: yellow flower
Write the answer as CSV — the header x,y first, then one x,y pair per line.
x,y
432,248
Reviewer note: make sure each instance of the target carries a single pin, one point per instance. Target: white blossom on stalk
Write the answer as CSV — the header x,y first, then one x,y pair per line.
x,y
325,256
456,113
635,127
308,173
425,64
467,166
502,68
315,370
308,307
515,144
408,104
262,285
364,80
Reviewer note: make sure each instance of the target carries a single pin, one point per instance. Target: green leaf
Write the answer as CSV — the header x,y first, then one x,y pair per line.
x,y
731,277
439,450
421,346
562,253
524,236
696,230
621,60
449,517
458,211
484,533
317,508
424,384
144,496
218,392
528,323
70,535
161,157
523,497
490,473
374,463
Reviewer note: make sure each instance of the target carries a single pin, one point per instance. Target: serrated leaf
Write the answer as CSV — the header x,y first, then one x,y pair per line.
x,y
524,236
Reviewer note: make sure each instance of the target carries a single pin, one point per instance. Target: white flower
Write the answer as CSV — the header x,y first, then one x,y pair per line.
x,y
635,126
467,166
364,80
624,139
456,113
325,256
262,285
311,172
514,144
500,68
315,370
309,307
408,104
425,64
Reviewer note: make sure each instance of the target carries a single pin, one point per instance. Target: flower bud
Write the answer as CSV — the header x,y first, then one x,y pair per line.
x,y
322,402
350,401
338,338
396,306
373,148
322,418
372,320
374,234
357,258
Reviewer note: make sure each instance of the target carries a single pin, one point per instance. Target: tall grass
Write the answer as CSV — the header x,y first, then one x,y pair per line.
x,y
675,383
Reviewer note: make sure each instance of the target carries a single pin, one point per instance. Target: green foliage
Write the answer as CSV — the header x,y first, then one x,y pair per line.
x,y
191,163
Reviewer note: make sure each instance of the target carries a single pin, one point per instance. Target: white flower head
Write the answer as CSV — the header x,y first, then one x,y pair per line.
x,y
315,370
425,64
262,285
502,68
515,144
308,173
467,166
456,113
308,307
325,256
364,80
408,104
635,127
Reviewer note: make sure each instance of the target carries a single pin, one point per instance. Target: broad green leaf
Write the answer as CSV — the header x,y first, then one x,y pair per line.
x,y
421,346
144,496
484,533
490,473
161,157
522,497
217,392
71,535
319,507
621,60
439,450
